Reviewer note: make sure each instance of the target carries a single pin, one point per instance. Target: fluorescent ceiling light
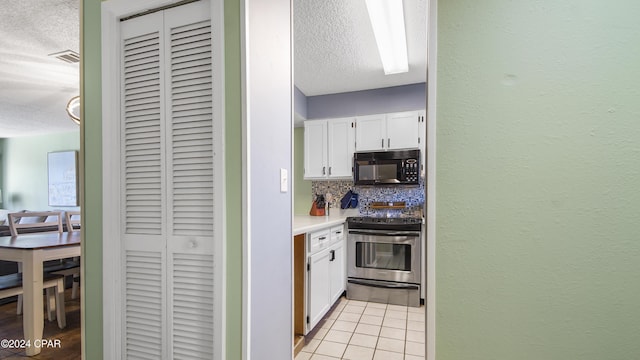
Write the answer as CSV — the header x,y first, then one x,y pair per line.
x,y
387,20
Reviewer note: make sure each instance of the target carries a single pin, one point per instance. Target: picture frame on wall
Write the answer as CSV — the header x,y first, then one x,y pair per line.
x,y
62,169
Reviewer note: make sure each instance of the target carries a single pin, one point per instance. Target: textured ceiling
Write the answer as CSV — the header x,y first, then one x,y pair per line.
x,y
335,49
35,88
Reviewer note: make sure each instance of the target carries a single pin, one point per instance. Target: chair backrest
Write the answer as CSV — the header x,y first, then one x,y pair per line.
x,y
73,220
36,221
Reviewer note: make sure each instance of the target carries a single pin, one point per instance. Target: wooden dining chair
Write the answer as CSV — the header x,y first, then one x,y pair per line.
x,y
35,221
11,285
30,222
73,220
21,223
72,268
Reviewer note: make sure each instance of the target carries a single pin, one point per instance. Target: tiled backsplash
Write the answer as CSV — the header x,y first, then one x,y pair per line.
x,y
337,189
413,196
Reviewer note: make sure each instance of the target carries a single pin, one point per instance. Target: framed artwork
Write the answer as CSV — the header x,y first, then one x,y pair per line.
x,y
62,170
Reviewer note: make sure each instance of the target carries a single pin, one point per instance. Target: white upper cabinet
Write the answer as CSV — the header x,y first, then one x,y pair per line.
x,y
402,130
388,131
341,147
328,148
315,149
371,132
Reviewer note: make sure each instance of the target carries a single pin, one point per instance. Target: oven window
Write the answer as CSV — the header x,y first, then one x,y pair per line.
x,y
377,172
383,256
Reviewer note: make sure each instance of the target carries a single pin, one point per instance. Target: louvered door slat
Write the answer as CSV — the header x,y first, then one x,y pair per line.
x,y
189,29
167,183
142,117
194,67
192,126
203,100
190,36
143,304
192,306
136,78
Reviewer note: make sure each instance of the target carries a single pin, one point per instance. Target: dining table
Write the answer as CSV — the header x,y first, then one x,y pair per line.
x,y
32,250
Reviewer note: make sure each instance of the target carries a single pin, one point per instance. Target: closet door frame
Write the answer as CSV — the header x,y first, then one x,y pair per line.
x,y
112,250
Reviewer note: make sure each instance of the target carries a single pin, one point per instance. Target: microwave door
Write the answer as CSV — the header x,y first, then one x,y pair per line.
x,y
387,173
367,172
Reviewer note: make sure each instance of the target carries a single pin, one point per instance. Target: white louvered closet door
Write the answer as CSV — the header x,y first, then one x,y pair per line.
x,y
168,202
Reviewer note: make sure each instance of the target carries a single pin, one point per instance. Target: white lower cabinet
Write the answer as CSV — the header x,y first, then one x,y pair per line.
x,y
319,287
336,271
325,274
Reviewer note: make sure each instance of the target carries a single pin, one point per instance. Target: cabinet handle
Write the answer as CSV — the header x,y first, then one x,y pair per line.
x,y
329,170
338,232
382,143
333,255
388,142
324,170
322,238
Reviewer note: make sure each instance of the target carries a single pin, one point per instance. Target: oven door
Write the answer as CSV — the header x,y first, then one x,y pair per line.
x,y
384,255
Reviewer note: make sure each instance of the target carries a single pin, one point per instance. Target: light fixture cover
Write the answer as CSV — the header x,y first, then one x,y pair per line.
x,y
73,109
387,20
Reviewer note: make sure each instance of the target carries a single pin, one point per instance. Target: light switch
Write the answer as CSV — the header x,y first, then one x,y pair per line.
x,y
284,180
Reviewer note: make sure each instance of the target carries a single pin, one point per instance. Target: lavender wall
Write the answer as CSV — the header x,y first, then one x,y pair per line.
x,y
299,102
367,102
268,250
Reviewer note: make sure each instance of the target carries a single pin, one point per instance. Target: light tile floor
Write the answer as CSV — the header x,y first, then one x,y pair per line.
x,y
359,330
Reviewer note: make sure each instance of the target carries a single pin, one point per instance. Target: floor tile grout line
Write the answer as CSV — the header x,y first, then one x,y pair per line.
x,y
378,337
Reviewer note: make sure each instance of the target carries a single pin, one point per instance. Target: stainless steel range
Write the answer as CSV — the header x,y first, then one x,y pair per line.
x,y
383,260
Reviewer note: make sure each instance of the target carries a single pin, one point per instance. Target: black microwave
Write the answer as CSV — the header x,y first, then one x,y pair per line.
x,y
399,167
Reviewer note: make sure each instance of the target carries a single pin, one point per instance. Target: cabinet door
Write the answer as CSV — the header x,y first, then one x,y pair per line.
x,y
341,146
402,130
337,270
370,133
319,287
170,204
315,149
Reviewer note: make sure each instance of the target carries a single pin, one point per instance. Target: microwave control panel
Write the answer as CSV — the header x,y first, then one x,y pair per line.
x,y
411,170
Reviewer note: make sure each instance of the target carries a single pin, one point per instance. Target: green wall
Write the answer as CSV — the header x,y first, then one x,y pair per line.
x,y
538,201
233,176
301,188
2,172
91,159
24,177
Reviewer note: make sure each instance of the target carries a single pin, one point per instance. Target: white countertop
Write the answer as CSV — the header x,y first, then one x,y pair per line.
x,y
307,223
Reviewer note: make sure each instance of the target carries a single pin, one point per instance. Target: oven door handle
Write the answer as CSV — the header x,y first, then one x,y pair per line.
x,y
384,285
385,233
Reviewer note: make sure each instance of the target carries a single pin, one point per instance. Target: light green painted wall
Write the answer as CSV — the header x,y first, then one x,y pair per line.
x,y
93,178
538,158
2,172
302,188
25,182
91,152
233,139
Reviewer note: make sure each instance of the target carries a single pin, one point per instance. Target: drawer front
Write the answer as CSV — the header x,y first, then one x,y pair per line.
x,y
319,240
337,233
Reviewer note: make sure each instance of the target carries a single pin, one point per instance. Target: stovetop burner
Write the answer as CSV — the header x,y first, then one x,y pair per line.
x,y
400,223
384,220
